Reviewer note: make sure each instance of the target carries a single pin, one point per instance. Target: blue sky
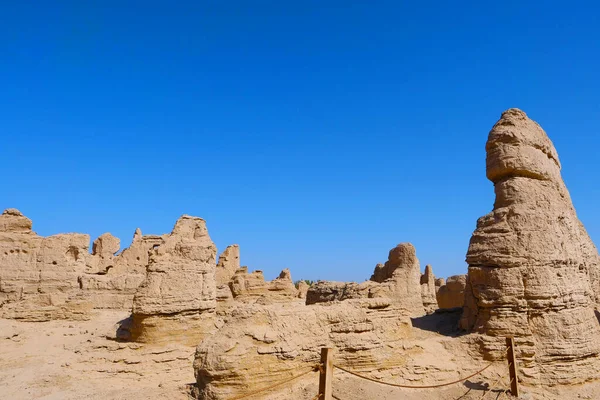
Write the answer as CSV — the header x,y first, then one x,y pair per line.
x,y
315,134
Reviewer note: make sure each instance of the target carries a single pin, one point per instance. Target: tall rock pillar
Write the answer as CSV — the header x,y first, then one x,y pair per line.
x,y
177,299
532,265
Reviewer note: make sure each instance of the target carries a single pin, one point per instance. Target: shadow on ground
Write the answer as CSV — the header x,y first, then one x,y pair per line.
x,y
444,322
123,331
494,393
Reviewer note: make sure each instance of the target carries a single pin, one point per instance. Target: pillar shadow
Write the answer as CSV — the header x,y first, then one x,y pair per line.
x,y
123,331
444,322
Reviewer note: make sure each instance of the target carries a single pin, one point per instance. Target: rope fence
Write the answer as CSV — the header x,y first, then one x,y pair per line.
x,y
326,367
414,387
314,368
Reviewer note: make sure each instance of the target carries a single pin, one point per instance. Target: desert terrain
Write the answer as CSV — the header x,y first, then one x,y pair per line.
x,y
170,318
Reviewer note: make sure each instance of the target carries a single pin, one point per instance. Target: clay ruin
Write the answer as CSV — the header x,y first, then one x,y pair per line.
x,y
533,274
532,266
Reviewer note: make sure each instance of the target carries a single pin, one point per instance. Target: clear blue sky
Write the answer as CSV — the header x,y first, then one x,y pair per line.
x,y
316,134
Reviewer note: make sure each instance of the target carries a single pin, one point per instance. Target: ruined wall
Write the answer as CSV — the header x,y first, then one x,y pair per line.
x,y
428,290
39,275
56,277
452,294
177,298
398,281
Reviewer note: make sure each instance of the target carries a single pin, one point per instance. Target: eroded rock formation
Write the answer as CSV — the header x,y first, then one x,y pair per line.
x,y
110,280
302,287
359,320
531,262
397,280
452,293
39,275
228,264
428,290
264,344
400,278
177,298
174,278
328,291
439,282
246,285
13,221
56,277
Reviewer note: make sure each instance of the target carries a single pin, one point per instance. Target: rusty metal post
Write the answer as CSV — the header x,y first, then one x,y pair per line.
x,y
512,366
326,374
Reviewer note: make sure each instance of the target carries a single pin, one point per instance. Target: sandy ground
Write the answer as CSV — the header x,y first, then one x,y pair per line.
x,y
76,360
81,360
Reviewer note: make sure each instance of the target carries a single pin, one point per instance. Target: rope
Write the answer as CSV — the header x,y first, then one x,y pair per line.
x,y
502,393
293,378
491,388
507,390
413,387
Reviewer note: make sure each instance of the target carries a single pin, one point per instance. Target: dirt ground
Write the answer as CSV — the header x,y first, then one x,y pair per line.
x,y
69,360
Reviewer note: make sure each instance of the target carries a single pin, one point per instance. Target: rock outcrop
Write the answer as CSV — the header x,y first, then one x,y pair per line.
x,y
398,280
452,293
39,275
56,277
264,344
283,285
532,266
302,287
110,280
13,221
105,247
428,290
177,299
228,264
246,285
439,282
280,338
329,291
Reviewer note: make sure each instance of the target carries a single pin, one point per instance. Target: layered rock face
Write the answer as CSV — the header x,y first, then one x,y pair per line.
x,y
398,280
39,275
246,285
56,277
110,280
13,221
264,344
428,290
329,291
452,293
178,295
228,264
531,262
174,277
